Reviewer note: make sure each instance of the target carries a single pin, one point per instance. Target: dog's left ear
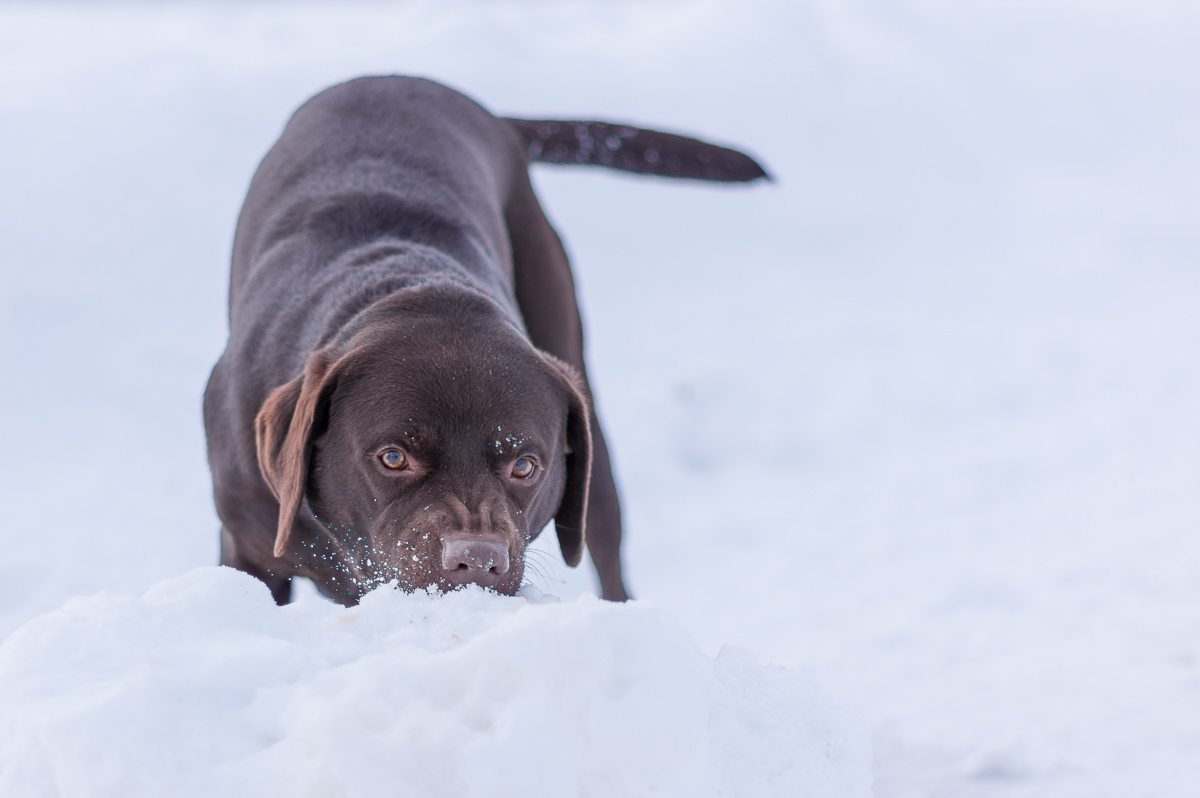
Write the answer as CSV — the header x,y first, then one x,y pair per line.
x,y
570,522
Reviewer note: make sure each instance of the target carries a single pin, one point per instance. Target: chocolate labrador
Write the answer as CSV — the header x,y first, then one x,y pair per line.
x,y
403,395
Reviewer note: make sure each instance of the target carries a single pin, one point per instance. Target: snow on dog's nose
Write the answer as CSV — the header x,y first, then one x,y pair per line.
x,y
467,558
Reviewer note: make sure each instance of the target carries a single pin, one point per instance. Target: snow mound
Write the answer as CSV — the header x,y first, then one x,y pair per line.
x,y
204,687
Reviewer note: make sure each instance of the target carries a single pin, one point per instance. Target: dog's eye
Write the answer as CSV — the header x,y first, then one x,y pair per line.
x,y
523,468
394,459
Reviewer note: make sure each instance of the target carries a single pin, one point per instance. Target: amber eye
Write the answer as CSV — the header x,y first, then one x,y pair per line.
x,y
523,468
394,459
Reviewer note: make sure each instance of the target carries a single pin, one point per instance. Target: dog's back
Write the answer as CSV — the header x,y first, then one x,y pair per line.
x,y
385,159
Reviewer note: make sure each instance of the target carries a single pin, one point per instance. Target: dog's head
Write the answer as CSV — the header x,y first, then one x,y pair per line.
x,y
431,445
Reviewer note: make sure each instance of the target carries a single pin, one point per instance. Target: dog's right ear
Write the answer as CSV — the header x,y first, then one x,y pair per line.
x,y
283,432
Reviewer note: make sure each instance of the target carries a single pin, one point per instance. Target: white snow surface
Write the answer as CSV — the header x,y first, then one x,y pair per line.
x,y
204,687
919,419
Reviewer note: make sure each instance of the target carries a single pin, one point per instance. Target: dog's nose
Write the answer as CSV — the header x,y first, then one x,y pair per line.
x,y
471,559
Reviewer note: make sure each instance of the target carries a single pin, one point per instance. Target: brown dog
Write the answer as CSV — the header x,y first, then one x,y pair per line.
x,y
403,396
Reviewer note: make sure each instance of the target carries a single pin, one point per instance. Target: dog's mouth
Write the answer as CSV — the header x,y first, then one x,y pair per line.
x,y
460,562
445,561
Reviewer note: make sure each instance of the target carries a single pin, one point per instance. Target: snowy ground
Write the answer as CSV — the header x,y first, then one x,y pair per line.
x,y
204,687
920,418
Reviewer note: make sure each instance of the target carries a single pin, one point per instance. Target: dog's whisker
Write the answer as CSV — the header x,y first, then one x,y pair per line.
x,y
535,574
539,556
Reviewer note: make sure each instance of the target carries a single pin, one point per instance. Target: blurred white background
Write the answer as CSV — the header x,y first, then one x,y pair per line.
x,y
920,417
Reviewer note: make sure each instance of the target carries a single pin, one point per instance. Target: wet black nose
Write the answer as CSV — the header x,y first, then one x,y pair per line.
x,y
471,559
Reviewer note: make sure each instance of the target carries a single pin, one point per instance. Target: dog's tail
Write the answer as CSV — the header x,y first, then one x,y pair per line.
x,y
629,149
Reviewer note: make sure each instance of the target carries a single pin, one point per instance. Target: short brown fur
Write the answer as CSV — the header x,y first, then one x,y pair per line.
x,y
404,395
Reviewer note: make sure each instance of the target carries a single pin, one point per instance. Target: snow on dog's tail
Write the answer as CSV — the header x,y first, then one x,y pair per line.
x,y
629,149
